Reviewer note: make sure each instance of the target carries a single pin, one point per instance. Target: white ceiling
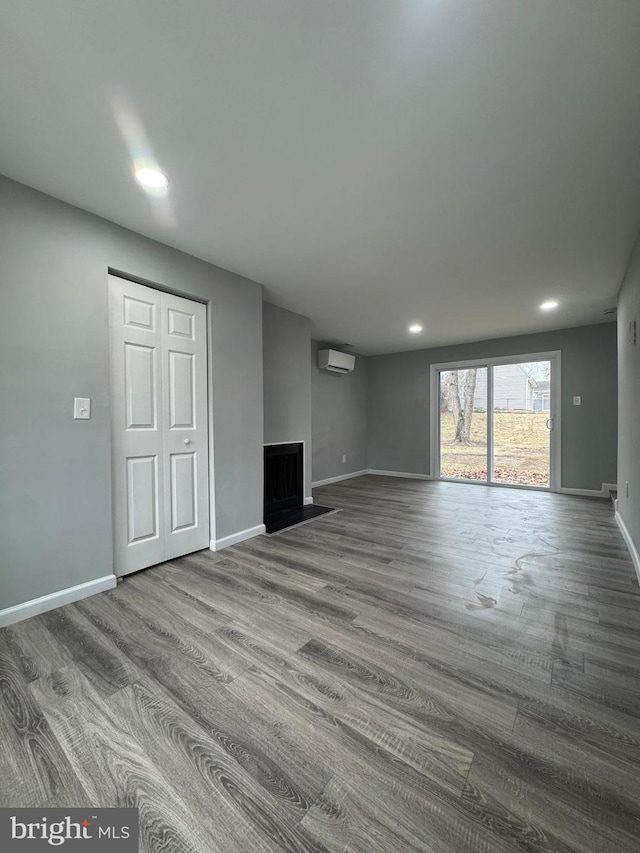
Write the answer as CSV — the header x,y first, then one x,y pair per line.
x,y
371,162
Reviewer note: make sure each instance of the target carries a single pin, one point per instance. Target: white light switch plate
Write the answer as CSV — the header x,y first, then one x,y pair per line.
x,y
577,401
82,408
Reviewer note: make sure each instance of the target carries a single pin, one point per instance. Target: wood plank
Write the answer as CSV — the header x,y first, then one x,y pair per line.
x,y
116,770
35,766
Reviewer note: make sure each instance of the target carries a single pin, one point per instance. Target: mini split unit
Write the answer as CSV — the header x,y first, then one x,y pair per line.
x,y
336,362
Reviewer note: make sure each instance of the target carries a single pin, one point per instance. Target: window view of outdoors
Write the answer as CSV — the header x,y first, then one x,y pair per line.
x,y
521,438
463,424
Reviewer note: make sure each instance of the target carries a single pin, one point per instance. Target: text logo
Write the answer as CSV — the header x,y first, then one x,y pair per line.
x,y
102,830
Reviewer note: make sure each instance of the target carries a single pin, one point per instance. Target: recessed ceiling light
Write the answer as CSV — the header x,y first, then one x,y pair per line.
x,y
549,305
152,178
415,329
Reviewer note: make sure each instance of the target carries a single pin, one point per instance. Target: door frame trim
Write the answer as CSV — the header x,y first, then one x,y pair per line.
x,y
555,444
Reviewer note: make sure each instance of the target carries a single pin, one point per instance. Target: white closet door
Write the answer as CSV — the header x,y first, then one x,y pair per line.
x,y
159,425
185,440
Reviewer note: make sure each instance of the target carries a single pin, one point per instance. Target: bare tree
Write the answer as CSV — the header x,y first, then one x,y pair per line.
x,y
454,402
462,410
444,391
469,394
538,369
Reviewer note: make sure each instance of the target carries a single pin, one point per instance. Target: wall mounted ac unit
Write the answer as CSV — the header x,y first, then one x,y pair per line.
x,y
337,362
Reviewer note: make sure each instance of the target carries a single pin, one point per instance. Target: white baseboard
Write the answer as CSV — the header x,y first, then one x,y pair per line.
x,y
337,479
586,493
402,474
631,545
55,599
308,501
591,493
234,538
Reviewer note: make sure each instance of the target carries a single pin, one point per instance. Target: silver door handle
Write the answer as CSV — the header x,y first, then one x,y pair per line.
x,y
549,423
187,441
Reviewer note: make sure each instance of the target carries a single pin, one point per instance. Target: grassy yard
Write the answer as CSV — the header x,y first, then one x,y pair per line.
x,y
521,450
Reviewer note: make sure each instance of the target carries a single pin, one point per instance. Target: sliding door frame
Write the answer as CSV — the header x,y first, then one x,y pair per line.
x,y
555,413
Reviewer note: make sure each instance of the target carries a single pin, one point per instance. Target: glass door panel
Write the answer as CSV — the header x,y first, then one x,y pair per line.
x,y
463,424
521,436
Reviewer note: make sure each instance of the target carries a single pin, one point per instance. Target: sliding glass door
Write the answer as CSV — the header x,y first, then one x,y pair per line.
x,y
463,424
521,438
496,421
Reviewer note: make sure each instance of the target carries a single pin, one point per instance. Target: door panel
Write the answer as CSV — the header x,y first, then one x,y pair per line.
x,y
463,424
184,497
140,386
140,313
159,425
181,390
181,324
521,439
185,435
142,498
137,459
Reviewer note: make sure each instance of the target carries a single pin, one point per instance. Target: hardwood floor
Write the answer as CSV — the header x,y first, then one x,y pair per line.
x,y
438,667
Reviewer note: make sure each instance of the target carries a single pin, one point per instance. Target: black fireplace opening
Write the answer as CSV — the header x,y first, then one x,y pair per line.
x,y
283,477
284,488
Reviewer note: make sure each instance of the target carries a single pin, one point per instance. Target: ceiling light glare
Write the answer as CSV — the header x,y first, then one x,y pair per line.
x,y
549,305
152,178
415,329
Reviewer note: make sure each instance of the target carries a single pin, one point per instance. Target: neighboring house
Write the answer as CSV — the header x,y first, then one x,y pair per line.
x,y
542,396
513,388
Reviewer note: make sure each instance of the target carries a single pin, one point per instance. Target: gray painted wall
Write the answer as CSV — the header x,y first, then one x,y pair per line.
x,y
629,400
399,395
339,418
286,343
55,496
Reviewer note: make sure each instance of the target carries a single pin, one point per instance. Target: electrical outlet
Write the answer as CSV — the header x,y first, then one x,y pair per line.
x,y
344,458
577,401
